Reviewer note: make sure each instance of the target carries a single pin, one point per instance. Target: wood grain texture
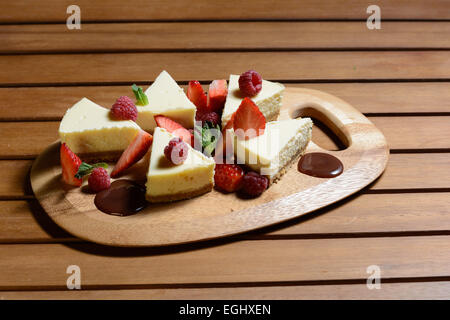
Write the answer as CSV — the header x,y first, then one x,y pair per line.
x,y
192,220
15,176
369,98
186,36
43,265
123,68
370,214
401,133
404,171
116,10
412,290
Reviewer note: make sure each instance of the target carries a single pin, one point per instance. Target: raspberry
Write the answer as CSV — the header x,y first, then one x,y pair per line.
x,y
176,151
124,109
212,117
254,184
99,180
250,83
228,177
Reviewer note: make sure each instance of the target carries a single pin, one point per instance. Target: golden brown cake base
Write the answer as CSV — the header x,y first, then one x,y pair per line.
x,y
109,156
273,116
283,170
180,196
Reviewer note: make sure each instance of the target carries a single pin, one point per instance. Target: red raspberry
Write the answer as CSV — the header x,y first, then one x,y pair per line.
x,y
250,83
254,184
99,180
176,151
124,109
212,117
228,177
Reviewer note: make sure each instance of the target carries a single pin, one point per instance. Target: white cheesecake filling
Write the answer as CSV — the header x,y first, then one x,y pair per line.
x,y
268,99
269,153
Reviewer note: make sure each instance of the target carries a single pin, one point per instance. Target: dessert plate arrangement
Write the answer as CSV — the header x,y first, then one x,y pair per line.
x,y
181,209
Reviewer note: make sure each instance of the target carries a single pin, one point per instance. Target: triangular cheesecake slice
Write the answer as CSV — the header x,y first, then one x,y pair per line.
x,y
91,133
169,182
268,99
166,98
271,153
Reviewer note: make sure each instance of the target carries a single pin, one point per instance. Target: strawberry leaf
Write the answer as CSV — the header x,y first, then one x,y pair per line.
x,y
86,168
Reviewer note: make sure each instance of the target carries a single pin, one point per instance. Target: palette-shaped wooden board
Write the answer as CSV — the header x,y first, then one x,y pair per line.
x,y
215,214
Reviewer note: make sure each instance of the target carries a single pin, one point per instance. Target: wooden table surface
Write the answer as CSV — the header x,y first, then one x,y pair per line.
x,y
397,76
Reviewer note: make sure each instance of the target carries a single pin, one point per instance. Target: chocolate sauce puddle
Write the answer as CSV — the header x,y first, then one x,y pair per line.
x,y
123,198
321,165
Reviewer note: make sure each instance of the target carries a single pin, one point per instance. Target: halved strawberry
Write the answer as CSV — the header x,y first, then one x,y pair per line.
x,y
133,153
248,121
197,96
174,127
70,163
230,123
217,95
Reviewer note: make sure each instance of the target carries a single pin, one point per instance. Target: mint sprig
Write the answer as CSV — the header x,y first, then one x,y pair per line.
x,y
141,97
207,138
86,168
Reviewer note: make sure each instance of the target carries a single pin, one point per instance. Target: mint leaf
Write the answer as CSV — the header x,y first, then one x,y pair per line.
x,y
86,168
209,137
141,97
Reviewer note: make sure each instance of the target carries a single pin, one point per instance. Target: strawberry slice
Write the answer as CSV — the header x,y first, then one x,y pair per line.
x,y
174,127
217,95
133,153
70,163
248,121
197,96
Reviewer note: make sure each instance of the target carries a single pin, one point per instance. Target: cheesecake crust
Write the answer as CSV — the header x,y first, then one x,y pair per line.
x,y
283,170
108,156
180,196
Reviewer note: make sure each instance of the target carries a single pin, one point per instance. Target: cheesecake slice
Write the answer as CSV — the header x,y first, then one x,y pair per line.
x,y
91,133
271,153
166,98
268,99
169,182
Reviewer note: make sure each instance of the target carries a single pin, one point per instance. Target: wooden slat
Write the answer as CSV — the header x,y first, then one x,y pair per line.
x,y
404,171
116,10
412,290
183,36
415,132
378,214
15,179
415,171
40,265
27,139
205,66
50,103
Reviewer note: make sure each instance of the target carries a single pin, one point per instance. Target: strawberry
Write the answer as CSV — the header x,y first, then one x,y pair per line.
x,y
197,96
248,121
217,95
230,123
228,177
133,153
70,163
174,127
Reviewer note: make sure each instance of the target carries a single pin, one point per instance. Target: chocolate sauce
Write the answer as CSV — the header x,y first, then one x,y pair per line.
x,y
321,165
123,198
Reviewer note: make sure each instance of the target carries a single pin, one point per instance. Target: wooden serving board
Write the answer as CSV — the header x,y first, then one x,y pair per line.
x,y
215,214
